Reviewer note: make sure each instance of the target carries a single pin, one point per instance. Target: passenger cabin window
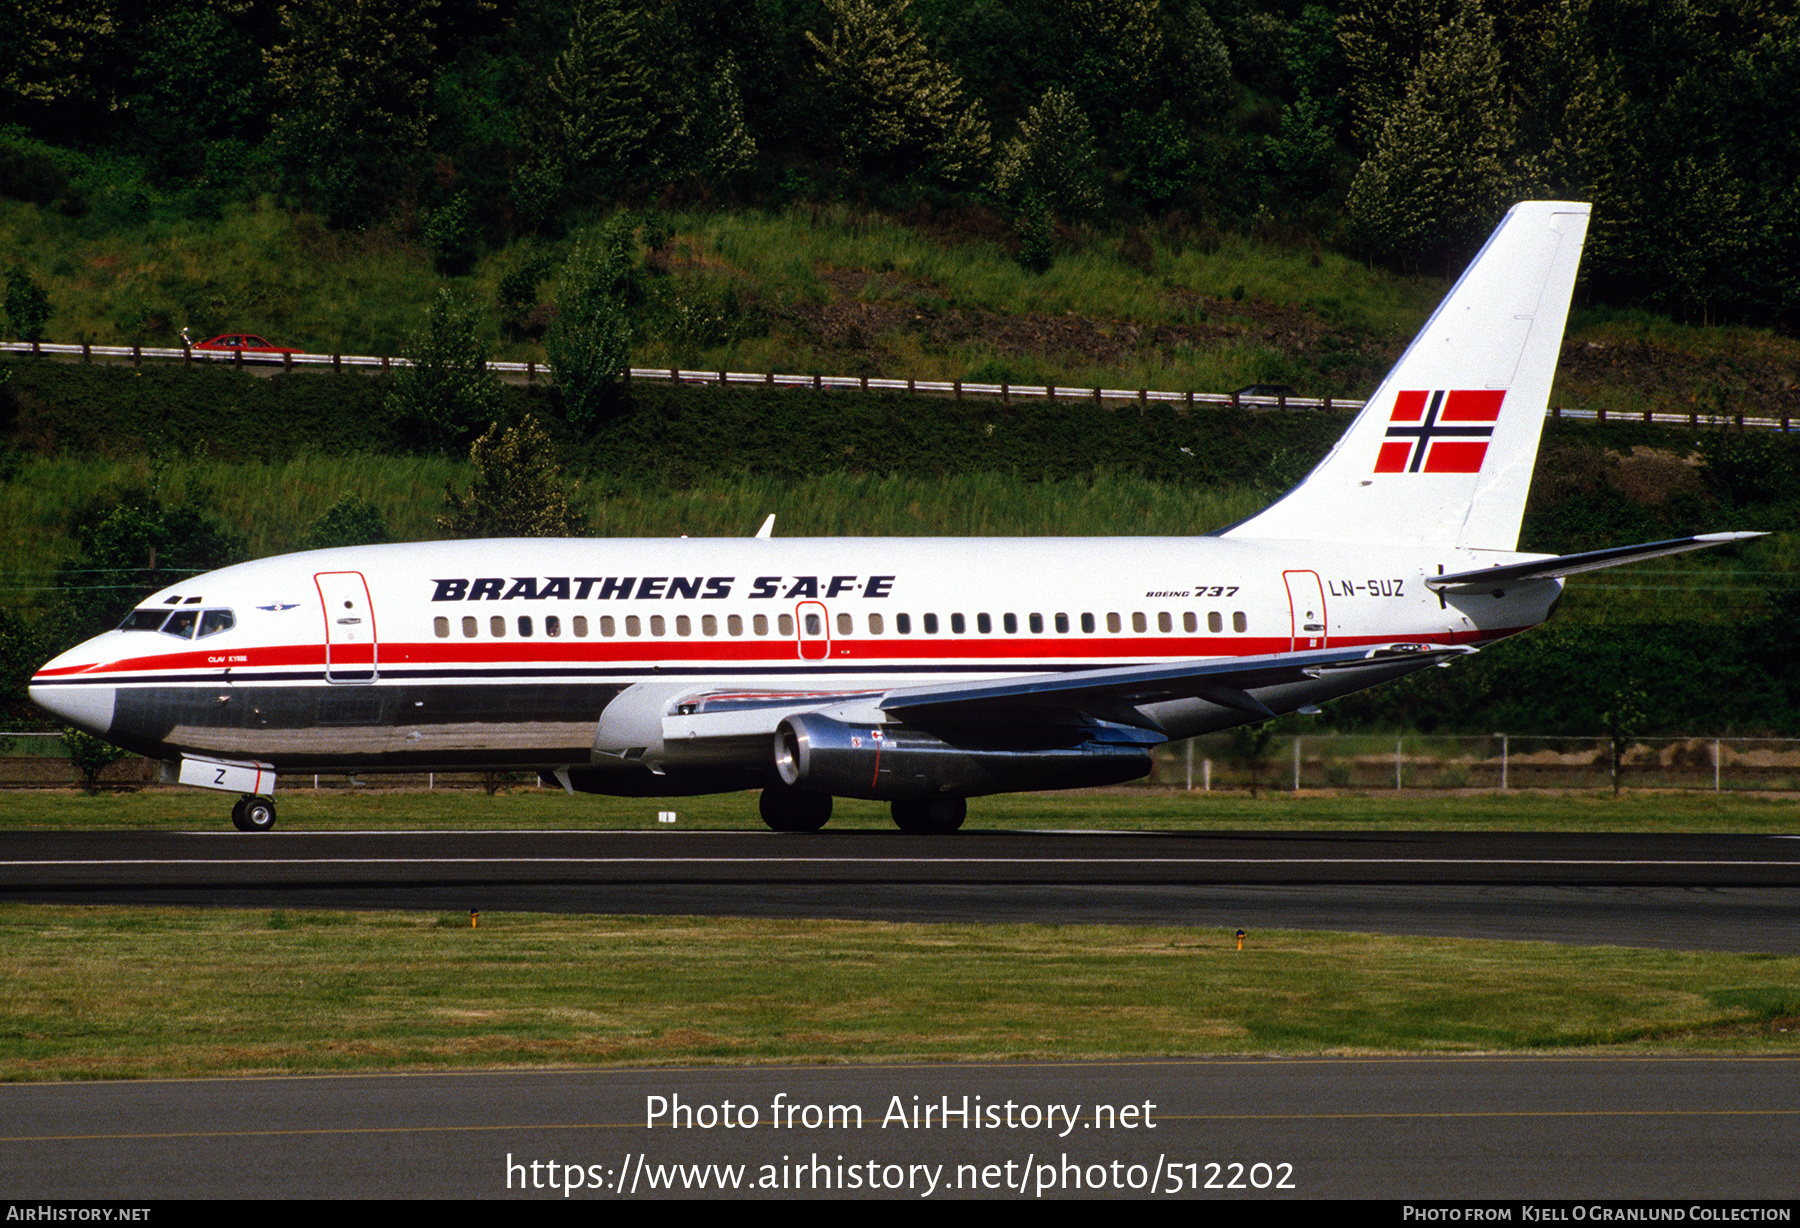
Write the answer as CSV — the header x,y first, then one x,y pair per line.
x,y
684,625
1164,622
1036,623
552,626
709,624
957,625
525,626
1138,623
657,625
784,623
903,624
1087,624
580,621
1189,622
1062,624
846,624
874,624
1239,622
734,624
1010,623
1112,622
1215,621
930,621
497,627
760,624
440,626
984,624
471,627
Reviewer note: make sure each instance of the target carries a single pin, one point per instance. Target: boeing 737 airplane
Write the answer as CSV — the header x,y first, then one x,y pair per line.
x,y
920,672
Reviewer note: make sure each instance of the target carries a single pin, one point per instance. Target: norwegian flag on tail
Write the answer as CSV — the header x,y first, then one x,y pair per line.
x,y
1440,432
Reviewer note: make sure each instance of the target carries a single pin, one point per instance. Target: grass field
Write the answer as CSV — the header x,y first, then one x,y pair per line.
x,y
103,992
525,807
136,992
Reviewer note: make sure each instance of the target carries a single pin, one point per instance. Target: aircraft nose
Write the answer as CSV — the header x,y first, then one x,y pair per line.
x,y
59,688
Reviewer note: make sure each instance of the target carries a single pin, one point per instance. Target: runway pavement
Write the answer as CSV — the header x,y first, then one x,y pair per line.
x,y
1732,893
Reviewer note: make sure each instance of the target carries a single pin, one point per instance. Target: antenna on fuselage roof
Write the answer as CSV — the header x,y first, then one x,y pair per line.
x,y
768,527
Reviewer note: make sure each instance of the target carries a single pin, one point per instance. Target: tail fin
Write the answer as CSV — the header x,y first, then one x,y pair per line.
x,y
1443,451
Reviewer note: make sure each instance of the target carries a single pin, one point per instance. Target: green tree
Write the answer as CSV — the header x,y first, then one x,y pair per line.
x,y
58,54
1382,42
608,89
1623,718
903,111
132,549
452,236
90,756
518,489
1673,118
1301,157
634,95
27,304
589,344
1052,160
351,80
351,521
196,76
1114,49
1199,64
446,392
1440,172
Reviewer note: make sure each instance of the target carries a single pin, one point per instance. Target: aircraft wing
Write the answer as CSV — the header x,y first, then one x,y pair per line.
x,y
1114,694
1487,578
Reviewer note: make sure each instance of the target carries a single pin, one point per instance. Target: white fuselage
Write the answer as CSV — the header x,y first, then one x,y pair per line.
x,y
549,654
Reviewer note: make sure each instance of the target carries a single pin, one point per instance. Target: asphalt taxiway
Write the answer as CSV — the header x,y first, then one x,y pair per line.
x,y
1432,1127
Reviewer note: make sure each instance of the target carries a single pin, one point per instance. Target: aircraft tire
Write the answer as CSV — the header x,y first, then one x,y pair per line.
x,y
930,816
787,809
254,814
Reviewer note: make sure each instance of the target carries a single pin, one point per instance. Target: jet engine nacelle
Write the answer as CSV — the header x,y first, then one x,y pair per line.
x,y
889,762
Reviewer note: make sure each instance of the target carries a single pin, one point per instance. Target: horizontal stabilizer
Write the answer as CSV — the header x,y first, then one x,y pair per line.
x,y
1224,682
1485,579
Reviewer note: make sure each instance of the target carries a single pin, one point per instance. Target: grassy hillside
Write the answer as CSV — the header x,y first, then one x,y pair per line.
x,y
836,289
833,290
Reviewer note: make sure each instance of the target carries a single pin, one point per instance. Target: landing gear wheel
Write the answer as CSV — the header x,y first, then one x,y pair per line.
x,y
254,814
788,809
930,816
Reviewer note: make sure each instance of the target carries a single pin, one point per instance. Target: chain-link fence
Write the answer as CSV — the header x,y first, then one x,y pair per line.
x,y
1366,762
1362,762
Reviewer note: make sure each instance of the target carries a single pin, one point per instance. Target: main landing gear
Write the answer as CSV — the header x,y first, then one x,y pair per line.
x,y
788,809
930,815
785,808
254,814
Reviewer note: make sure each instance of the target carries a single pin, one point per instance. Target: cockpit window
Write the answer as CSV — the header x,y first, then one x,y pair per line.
x,y
181,623
214,621
143,620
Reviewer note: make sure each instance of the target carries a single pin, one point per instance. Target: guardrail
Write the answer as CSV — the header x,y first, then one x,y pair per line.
x,y
532,371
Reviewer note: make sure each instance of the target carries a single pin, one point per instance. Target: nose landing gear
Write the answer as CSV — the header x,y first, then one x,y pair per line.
x,y
254,813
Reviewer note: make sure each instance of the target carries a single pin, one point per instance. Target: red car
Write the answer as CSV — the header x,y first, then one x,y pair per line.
x,y
247,344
